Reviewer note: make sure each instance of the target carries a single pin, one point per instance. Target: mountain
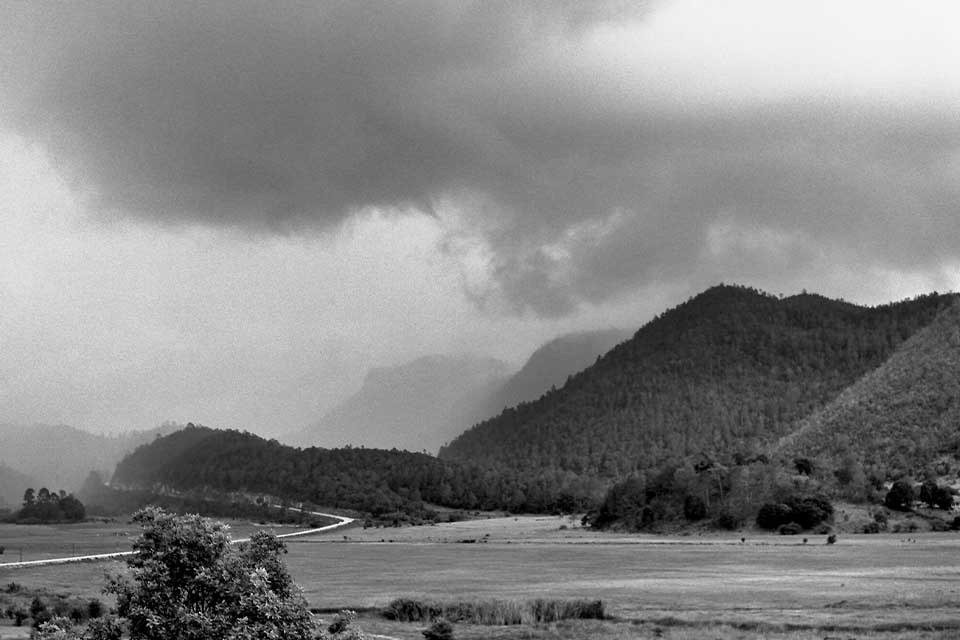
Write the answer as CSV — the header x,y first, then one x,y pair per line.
x,y
414,406
12,486
551,365
61,457
728,372
897,419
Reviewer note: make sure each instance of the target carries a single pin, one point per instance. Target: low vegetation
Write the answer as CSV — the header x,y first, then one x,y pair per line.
x,y
494,612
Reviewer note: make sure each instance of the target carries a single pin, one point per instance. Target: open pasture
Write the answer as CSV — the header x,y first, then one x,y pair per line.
x,y
859,582
879,586
40,542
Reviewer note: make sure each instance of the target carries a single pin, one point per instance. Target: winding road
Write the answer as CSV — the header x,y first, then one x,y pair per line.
x,y
342,521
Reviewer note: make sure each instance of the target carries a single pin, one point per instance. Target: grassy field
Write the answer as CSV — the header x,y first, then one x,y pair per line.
x,y
39,542
710,586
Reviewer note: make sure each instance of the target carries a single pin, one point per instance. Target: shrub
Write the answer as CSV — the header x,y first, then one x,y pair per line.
x,y
441,629
789,529
728,521
94,608
871,527
772,515
832,538
343,627
901,496
936,524
805,511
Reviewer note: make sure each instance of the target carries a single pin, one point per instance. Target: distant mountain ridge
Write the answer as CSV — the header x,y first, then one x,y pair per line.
x,y
414,406
551,364
61,457
423,404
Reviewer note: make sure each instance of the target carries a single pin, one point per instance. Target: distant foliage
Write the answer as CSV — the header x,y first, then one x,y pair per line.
x,y
936,496
805,512
46,506
901,496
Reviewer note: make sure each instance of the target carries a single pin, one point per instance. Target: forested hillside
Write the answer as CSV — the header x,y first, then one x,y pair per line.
x,y
896,420
380,482
728,372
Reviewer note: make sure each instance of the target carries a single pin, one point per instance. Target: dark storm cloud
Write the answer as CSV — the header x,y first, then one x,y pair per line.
x,y
608,164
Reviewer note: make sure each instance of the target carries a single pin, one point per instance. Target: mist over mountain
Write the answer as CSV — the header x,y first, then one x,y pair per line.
x,y
415,406
12,485
61,457
551,365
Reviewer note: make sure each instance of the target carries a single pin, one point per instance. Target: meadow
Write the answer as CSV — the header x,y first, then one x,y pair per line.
x,y
711,586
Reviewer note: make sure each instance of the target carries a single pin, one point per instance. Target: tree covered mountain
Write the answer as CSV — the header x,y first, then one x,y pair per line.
x,y
896,420
415,406
217,462
729,371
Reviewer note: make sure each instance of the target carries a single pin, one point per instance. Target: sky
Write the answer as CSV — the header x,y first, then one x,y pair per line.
x,y
228,212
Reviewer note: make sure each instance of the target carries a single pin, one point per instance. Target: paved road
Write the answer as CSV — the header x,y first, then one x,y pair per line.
x,y
342,521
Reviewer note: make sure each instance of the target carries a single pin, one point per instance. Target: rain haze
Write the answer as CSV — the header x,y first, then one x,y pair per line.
x,y
229,212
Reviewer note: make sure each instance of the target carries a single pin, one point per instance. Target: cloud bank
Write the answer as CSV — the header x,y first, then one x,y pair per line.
x,y
574,152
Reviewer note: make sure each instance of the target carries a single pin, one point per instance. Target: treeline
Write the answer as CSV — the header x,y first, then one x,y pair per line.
x,y
732,369
386,484
45,506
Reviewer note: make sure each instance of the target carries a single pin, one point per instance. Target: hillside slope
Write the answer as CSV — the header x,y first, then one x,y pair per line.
x,y
203,460
901,416
730,370
551,364
414,406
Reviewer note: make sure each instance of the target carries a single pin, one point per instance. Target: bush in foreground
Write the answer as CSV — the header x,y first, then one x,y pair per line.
x,y
187,581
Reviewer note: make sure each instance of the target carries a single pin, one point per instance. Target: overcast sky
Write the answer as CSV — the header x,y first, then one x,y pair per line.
x,y
227,212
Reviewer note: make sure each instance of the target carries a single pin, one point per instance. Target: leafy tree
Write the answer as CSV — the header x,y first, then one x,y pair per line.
x,y
901,496
188,582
